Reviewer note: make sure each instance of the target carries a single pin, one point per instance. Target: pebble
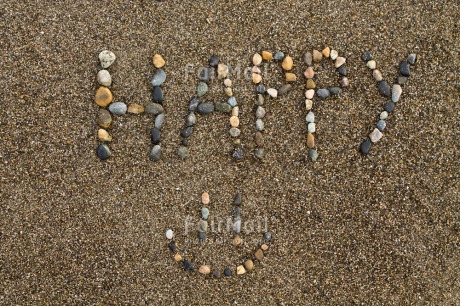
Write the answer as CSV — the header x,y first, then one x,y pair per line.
x,y
214,61
234,132
118,108
184,142
103,152
284,89
235,111
309,73
367,56
201,89
203,226
159,121
310,117
371,64
412,58
404,68
187,132
206,74
187,265
237,240
135,108
260,100
107,58
308,104
249,264
236,212
334,55
310,141
104,78
317,56
237,200
259,255
342,70
159,77
396,93
256,69
205,200
103,135
228,82
261,89
259,139
205,108
169,234
216,273
279,56
202,236
335,90
267,236
287,63
260,112
104,119
259,153
193,104
344,82
204,270
234,121
256,78
376,135
172,246
323,93
103,96
204,213
384,115
290,77
326,52
227,272
223,107
311,127
259,125
401,80
177,257
191,119
264,247
267,55
311,84
381,124
240,270
238,152
257,59
222,71
384,88
313,154
155,153
272,92
237,226
182,152
377,75
308,58
389,107
155,135
366,146
154,108
340,61
232,101
157,94
309,94
158,61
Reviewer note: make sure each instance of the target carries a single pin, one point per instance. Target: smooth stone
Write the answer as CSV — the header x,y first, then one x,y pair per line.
x,y
182,152
104,118
334,54
193,104
381,124
340,61
187,265
204,213
103,96
159,77
366,146
307,58
103,152
412,58
237,200
237,226
367,56
234,121
267,236
311,127
222,71
118,108
256,59
201,89
371,64
259,153
260,100
384,88
284,89
377,75
169,234
311,84
158,61
107,58
308,104
309,94
205,108
259,255
259,139
342,71
396,93
155,153
389,107
154,108
191,119
256,78
261,89
228,82
202,236
216,273
155,135
272,92
184,142
267,55
326,52
103,135
260,112
310,141
172,246
287,63
177,257
384,115
249,264
104,78
214,61
206,74
323,93
227,272
309,73
259,125
223,107
205,270
135,108
335,90
279,56
187,132
317,56
236,212
157,94
234,132
344,82
310,118
401,80
159,121
235,111
238,154
376,135
240,270
232,101
404,68
203,226
313,154
205,199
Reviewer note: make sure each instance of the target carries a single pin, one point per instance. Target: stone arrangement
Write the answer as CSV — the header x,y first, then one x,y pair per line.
x,y
205,269
155,108
287,65
310,58
206,75
394,94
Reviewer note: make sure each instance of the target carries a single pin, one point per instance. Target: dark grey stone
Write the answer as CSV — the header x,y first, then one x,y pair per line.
x,y
157,94
384,88
187,132
103,152
366,146
205,108
193,104
367,56
155,135
404,68
214,61
389,106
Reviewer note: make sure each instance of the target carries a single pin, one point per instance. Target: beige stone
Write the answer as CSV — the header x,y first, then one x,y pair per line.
x,y
310,141
205,198
290,77
287,63
234,121
257,59
240,270
249,264
267,55
259,255
326,52
311,84
135,108
256,78
158,61
104,135
309,73
204,269
317,56
103,96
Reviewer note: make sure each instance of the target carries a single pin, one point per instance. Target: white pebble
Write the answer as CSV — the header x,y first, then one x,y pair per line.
x,y
384,115
104,78
310,117
334,55
272,92
308,104
311,127
169,234
107,58
228,82
371,64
